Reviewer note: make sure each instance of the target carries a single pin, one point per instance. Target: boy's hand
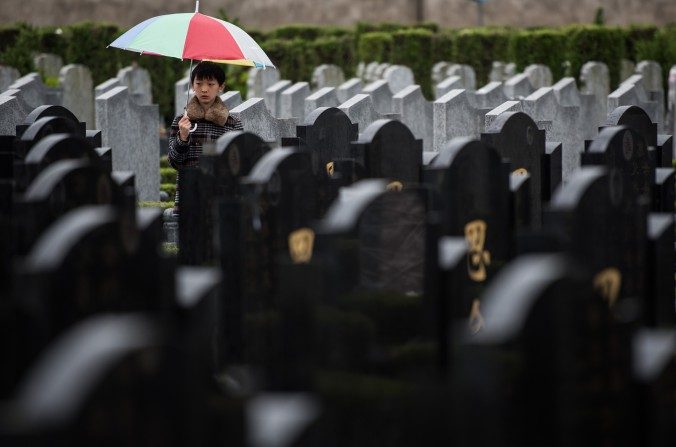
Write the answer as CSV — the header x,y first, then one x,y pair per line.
x,y
184,127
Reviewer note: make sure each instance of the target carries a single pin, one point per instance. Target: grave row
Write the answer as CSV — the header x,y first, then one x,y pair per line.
x,y
347,287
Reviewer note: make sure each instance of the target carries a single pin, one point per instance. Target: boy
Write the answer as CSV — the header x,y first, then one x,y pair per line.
x,y
205,119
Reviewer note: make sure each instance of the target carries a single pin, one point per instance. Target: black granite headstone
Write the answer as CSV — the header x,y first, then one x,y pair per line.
x,y
537,368
474,203
388,149
518,139
602,225
660,310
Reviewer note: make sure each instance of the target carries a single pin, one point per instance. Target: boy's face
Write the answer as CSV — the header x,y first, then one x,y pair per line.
x,y
206,90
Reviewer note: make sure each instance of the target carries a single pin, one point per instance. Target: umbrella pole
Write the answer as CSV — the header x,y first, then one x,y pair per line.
x,y
187,93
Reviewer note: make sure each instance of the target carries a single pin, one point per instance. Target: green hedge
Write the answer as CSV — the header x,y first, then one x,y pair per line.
x,y
297,49
444,46
167,175
413,48
375,47
479,47
596,43
546,47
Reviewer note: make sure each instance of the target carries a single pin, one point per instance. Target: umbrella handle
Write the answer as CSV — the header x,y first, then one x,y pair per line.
x,y
193,128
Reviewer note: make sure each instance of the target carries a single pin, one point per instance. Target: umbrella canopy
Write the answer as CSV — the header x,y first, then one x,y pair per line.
x,y
194,36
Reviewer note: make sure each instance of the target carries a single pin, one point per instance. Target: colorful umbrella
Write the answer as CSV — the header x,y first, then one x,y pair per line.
x,y
194,36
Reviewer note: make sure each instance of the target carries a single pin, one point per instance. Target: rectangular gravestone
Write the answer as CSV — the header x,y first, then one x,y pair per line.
x,y
131,130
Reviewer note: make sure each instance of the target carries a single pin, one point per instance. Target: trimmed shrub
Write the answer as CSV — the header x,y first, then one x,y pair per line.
x,y
339,51
289,56
479,47
20,43
86,45
413,48
545,46
596,43
167,175
375,47
443,46
640,43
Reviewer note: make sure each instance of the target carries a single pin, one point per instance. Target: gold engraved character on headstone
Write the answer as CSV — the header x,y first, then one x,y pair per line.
x,y
395,186
608,282
330,168
477,257
476,320
520,172
300,245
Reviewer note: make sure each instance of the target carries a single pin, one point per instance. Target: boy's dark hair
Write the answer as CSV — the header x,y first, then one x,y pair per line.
x,y
207,70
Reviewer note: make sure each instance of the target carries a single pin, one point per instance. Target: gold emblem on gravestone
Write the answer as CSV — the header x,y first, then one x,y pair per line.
x,y
330,168
234,161
608,282
300,245
395,186
477,257
476,320
521,172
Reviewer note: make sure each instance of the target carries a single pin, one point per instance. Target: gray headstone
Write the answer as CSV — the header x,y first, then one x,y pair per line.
x,y
256,118
632,92
7,76
398,77
361,110
273,96
132,131
293,101
466,73
627,68
361,68
327,75
34,92
445,86
509,70
260,79
78,92
518,86
592,110
596,81
490,96
507,106
324,97
497,72
651,73
109,85
47,64
543,105
455,115
416,114
138,81
439,72
382,95
379,71
539,75
11,114
369,72
348,89
231,99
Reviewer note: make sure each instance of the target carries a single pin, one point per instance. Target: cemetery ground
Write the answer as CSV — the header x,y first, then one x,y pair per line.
x,y
359,266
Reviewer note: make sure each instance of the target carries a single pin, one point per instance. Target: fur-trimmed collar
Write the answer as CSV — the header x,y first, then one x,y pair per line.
x,y
217,113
